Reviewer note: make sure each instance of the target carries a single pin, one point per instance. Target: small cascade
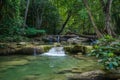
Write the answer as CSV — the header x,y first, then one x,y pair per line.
x,y
35,52
58,38
55,51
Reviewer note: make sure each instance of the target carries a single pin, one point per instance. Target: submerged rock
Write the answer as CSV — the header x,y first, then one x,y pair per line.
x,y
10,64
31,77
91,75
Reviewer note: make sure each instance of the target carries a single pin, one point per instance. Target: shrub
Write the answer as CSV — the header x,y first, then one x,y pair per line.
x,y
33,32
13,38
107,50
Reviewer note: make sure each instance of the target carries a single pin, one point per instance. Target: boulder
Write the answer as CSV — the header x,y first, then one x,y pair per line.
x,y
75,40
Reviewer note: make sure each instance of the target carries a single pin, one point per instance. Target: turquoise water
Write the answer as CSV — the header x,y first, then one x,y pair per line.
x,y
39,67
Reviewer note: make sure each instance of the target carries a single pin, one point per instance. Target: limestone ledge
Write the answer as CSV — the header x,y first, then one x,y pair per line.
x,y
28,48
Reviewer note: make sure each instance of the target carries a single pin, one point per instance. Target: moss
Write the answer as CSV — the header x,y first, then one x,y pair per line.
x,y
47,48
68,49
87,49
57,44
78,48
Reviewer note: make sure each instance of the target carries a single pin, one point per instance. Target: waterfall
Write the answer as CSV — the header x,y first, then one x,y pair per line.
x,y
55,51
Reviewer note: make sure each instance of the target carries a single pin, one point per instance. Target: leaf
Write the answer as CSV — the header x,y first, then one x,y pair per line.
x,y
111,54
110,65
115,63
97,55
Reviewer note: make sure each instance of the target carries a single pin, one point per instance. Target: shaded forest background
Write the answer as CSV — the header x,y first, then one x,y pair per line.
x,y
30,17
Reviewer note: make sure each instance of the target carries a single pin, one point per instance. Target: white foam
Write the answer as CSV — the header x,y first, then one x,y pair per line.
x,y
55,51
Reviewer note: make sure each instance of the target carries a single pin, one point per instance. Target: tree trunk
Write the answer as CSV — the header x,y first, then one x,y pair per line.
x,y
107,12
26,13
92,19
66,21
1,4
39,17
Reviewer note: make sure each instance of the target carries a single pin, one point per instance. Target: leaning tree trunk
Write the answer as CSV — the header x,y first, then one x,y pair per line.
x,y
92,19
107,12
26,13
66,21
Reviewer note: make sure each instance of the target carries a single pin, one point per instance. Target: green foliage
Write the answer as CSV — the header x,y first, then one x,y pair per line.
x,y
13,38
32,32
43,15
116,15
108,50
10,20
49,15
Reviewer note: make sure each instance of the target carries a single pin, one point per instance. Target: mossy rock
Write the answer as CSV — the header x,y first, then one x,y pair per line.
x,y
57,44
87,49
3,46
68,49
47,48
77,48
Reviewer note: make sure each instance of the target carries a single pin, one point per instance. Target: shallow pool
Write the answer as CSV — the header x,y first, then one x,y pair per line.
x,y
41,67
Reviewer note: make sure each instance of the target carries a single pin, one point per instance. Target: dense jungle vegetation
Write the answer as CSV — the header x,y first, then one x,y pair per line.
x,y
29,17
23,19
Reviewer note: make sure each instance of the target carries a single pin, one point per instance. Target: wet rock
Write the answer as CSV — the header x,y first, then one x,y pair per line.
x,y
114,74
22,43
30,50
92,75
74,40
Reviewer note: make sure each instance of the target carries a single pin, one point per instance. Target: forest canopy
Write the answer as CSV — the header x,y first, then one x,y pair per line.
x,y
100,17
